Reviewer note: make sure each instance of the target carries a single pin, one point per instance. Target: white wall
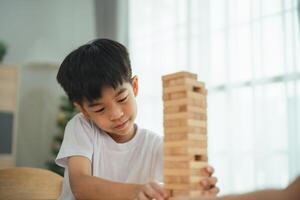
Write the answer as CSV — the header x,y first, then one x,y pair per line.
x,y
37,113
42,32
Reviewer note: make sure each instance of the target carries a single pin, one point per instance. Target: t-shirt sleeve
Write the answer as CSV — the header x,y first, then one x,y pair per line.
x,y
78,140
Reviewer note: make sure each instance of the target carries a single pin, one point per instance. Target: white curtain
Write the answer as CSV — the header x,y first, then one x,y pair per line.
x,y
248,54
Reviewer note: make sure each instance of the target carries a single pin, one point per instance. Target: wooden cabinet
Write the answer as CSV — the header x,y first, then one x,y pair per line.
x,y
8,114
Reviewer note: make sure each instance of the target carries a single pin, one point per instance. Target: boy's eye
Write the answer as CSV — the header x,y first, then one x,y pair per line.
x,y
121,100
100,110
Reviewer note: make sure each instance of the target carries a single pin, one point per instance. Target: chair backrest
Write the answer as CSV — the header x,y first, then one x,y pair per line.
x,y
29,183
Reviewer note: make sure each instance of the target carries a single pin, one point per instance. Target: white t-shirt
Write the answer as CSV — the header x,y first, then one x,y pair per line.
x,y
136,161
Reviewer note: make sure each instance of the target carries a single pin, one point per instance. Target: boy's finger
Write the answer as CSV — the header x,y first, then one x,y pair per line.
x,y
167,193
208,182
141,196
159,189
211,192
151,192
210,170
207,170
214,191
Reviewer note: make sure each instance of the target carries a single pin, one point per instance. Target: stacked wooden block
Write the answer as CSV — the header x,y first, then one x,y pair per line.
x,y
185,139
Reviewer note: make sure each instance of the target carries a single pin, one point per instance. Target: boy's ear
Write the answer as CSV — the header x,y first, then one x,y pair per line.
x,y
81,109
135,85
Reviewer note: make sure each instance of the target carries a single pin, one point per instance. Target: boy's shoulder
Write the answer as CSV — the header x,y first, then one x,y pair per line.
x,y
150,135
79,121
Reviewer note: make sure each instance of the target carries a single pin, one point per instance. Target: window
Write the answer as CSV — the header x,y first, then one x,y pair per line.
x,y
247,52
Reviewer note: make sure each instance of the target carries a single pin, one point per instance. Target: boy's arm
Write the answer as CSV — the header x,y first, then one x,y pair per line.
x,y
86,186
258,195
292,192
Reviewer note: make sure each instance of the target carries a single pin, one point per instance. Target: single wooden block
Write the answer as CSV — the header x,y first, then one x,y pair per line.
x,y
170,136
176,179
197,179
196,123
183,108
184,122
178,75
178,186
184,186
184,193
177,172
182,95
185,143
184,164
186,115
185,129
186,158
187,102
178,81
178,193
176,165
180,151
175,95
197,87
196,193
183,179
197,151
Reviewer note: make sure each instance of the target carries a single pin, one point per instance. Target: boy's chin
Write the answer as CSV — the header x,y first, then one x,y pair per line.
x,y
128,131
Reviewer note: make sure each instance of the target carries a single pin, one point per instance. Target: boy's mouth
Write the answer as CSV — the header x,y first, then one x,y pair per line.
x,y
121,125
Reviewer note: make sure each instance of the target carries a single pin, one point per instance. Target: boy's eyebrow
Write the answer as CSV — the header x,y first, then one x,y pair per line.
x,y
120,91
97,103
94,104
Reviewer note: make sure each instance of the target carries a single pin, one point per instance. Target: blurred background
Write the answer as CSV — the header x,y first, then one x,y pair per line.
x,y
246,51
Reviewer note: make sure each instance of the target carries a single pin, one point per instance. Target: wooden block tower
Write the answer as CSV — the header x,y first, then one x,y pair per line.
x,y
185,139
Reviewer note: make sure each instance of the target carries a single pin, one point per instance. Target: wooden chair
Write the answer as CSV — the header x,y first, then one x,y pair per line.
x,y
29,183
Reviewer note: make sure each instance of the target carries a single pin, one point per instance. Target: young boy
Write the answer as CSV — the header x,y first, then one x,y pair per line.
x,y
104,153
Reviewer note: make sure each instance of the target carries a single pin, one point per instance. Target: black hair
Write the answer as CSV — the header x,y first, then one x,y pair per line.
x,y
86,70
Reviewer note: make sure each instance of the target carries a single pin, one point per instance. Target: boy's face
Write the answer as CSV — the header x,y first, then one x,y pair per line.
x,y
115,111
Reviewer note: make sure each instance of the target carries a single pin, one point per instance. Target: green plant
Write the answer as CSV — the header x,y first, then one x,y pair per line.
x,y
66,112
3,49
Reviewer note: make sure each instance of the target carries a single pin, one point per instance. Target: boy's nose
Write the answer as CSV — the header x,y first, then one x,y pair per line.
x,y
116,114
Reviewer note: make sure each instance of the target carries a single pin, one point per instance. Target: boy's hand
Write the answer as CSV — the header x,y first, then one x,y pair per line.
x,y
152,191
209,183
